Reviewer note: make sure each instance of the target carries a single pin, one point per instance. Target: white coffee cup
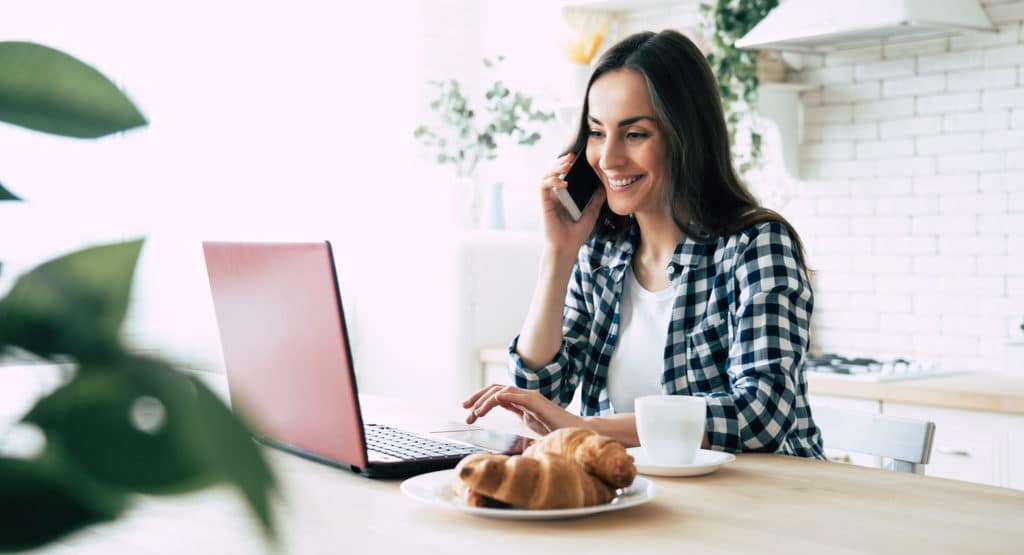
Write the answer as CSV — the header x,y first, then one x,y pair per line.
x,y
671,427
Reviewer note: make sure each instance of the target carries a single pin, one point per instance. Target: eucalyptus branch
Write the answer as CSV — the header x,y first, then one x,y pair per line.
x,y
467,137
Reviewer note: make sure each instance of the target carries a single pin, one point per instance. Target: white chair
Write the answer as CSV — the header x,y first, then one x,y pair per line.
x,y
906,441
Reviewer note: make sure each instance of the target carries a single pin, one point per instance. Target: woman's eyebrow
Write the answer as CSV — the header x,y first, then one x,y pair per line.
x,y
622,123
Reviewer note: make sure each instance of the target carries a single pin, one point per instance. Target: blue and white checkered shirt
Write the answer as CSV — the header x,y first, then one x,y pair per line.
x,y
738,336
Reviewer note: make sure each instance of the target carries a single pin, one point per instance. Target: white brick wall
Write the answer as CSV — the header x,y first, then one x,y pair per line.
x,y
922,146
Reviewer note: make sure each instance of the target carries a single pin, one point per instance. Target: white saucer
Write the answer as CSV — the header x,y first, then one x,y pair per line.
x,y
706,462
435,489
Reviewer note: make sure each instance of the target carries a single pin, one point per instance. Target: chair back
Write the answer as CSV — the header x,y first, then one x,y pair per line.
x,y
906,441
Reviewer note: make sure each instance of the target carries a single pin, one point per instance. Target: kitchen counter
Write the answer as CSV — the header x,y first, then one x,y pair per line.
x,y
980,391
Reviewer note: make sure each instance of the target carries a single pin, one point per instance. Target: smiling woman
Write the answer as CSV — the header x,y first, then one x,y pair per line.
x,y
674,280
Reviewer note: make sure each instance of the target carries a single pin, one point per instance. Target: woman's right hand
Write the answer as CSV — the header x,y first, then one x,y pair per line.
x,y
564,236
539,413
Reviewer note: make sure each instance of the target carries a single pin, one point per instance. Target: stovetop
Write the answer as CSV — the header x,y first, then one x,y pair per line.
x,y
873,370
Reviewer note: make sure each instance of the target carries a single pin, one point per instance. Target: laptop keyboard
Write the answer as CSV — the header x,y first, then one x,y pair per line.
x,y
405,446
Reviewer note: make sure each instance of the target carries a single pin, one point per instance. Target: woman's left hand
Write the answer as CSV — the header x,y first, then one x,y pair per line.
x,y
538,412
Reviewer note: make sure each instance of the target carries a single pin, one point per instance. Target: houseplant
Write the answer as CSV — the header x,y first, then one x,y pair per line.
x,y
121,423
467,136
725,21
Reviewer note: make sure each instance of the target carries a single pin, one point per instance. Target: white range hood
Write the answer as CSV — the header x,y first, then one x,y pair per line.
x,y
823,25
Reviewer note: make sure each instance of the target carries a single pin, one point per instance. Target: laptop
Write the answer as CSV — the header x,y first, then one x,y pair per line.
x,y
289,365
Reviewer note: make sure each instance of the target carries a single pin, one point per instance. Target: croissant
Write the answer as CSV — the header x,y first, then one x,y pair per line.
x,y
544,481
473,499
601,456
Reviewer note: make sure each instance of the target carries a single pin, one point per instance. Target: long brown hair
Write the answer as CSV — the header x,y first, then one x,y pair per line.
x,y
703,187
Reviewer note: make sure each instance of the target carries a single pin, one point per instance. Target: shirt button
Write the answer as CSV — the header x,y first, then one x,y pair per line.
x,y
671,270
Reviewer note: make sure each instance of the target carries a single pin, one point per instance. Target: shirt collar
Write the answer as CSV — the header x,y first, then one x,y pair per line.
x,y
693,253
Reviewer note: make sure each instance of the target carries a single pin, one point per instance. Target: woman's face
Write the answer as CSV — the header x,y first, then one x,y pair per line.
x,y
626,146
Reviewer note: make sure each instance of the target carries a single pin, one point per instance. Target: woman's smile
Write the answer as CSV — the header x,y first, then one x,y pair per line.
x,y
622,183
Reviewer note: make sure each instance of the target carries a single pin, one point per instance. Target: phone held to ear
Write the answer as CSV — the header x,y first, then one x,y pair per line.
x,y
583,183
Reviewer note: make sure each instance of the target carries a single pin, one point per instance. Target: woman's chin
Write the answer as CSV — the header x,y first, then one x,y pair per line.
x,y
620,208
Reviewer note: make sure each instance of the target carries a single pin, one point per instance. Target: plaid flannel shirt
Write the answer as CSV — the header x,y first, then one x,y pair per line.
x,y
738,335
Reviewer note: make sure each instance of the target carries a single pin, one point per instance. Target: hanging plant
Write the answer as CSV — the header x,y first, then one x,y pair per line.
x,y
724,22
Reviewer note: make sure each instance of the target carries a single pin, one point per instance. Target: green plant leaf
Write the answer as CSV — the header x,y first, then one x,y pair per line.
x,y
106,420
72,305
48,498
7,195
231,449
47,90
128,424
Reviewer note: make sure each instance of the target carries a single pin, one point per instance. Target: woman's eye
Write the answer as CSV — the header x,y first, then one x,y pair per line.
x,y
636,135
595,133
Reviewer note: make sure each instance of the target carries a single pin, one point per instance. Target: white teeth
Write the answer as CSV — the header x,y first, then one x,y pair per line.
x,y
623,182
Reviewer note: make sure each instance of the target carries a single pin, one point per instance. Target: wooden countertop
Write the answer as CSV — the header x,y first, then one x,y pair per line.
x,y
758,503
980,391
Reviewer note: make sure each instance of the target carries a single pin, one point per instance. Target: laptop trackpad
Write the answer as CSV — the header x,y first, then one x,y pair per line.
x,y
496,442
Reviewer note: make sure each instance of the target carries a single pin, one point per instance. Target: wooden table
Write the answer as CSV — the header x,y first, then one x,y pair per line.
x,y
756,504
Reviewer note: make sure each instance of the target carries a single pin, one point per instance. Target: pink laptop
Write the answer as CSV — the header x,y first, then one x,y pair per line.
x,y
290,371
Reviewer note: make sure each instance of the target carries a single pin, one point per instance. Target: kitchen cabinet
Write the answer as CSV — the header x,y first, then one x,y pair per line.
x,y
1015,454
973,446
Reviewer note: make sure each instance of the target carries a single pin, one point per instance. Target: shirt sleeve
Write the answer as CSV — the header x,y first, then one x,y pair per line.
x,y
771,337
558,379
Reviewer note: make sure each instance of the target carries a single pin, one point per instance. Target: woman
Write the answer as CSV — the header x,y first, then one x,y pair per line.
x,y
673,242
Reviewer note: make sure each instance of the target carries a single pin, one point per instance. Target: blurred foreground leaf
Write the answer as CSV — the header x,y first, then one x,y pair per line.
x,y
72,305
46,498
7,195
239,459
140,425
128,424
47,90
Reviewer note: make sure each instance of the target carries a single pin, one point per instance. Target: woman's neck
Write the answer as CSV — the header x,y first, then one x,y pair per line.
x,y
659,236
658,240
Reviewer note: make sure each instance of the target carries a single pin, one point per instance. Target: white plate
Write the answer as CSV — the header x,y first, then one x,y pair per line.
x,y
706,462
435,488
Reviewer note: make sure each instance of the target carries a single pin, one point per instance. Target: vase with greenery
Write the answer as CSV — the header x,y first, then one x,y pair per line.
x,y
723,22
120,424
468,135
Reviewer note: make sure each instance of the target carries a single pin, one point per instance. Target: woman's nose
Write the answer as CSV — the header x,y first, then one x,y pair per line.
x,y
611,154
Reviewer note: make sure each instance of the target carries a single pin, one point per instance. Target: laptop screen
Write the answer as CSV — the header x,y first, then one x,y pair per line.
x,y
285,346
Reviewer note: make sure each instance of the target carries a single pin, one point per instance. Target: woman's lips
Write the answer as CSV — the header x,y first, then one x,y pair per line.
x,y
623,183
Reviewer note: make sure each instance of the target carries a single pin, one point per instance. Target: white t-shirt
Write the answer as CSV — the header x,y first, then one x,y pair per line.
x,y
638,360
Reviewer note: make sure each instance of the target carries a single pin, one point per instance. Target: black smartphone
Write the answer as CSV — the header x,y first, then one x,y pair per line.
x,y
583,183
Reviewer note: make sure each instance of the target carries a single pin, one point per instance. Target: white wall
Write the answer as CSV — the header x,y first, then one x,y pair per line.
x,y
267,122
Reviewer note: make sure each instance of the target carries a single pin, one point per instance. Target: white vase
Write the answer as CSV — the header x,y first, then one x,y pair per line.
x,y
467,202
493,214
